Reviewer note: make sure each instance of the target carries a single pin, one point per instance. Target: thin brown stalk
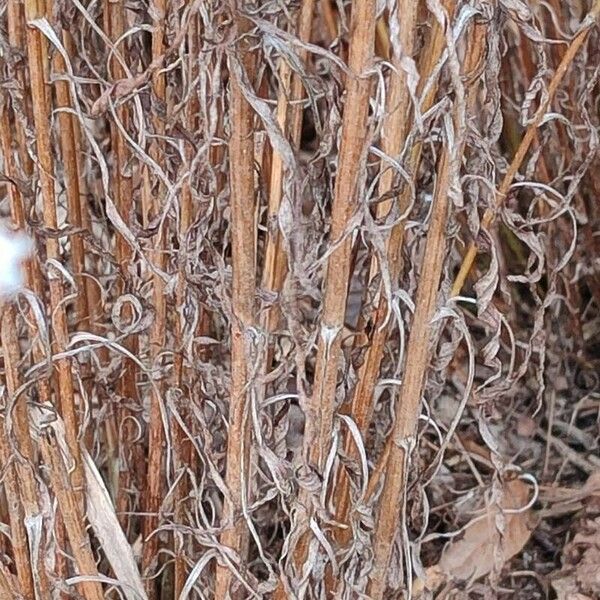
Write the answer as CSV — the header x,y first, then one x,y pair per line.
x,y
39,66
24,462
7,584
123,478
241,153
329,16
394,131
289,117
68,135
354,134
38,58
18,534
16,38
181,446
417,355
530,135
321,407
156,434
24,470
22,558
70,508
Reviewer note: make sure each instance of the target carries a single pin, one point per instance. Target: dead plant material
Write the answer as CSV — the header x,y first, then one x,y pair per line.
x,y
233,362
490,539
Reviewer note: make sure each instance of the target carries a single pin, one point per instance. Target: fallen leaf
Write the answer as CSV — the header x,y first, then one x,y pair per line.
x,y
483,545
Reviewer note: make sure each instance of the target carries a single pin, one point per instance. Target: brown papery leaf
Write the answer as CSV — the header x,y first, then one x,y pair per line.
x,y
489,542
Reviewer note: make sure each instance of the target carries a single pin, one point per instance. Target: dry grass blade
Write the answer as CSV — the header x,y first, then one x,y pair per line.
x,y
72,516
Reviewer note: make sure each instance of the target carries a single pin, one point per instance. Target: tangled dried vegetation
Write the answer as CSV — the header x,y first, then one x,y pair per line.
x,y
314,304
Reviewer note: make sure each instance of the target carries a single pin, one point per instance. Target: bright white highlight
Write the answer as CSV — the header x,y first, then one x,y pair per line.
x,y
14,248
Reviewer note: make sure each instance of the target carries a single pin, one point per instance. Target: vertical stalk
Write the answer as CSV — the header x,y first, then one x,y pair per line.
x,y
417,352
38,61
354,134
181,445
393,136
394,131
321,406
68,134
22,558
241,180
289,117
114,14
16,38
156,434
23,468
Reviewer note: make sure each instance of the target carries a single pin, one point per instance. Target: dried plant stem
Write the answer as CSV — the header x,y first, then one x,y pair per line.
x,y
22,558
23,467
530,135
401,439
241,154
16,38
16,202
73,518
156,434
328,14
289,117
68,136
7,584
38,61
354,134
114,15
181,446
394,133
24,462
407,409
361,409
18,534
321,407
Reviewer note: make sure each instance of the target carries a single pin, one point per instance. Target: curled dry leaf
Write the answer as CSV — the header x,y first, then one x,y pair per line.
x,y
488,541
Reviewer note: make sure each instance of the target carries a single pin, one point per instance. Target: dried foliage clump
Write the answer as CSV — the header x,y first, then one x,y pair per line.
x,y
312,299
